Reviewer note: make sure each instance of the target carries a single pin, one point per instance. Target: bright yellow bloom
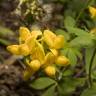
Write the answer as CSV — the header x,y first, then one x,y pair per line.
x,y
24,34
52,40
35,65
50,70
49,38
14,49
92,11
49,59
24,49
55,52
31,43
62,60
37,56
59,42
36,33
38,52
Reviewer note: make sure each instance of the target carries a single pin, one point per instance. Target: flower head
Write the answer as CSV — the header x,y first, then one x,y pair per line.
x,y
32,46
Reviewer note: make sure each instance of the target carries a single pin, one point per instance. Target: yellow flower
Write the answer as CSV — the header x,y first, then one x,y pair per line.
x,y
14,49
52,40
92,11
24,49
55,52
24,34
49,59
59,42
36,33
38,52
31,43
35,65
49,38
62,61
50,70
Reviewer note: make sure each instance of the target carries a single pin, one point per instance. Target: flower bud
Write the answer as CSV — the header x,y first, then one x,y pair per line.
x,y
24,50
62,61
35,65
14,49
50,70
27,74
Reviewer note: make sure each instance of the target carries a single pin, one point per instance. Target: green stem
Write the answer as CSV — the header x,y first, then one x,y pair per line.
x,y
82,10
90,68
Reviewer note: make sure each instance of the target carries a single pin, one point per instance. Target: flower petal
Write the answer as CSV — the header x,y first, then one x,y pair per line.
x,y
31,43
24,49
49,59
36,33
24,34
50,70
49,38
38,52
14,49
92,11
59,42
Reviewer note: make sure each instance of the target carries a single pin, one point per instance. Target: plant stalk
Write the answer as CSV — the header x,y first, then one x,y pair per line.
x,y
82,10
90,68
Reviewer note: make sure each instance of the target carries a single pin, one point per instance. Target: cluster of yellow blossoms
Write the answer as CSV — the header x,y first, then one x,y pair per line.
x,y
41,50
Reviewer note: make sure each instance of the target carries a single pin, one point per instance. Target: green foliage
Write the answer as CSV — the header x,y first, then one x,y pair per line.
x,y
42,83
5,31
90,91
50,91
69,85
71,19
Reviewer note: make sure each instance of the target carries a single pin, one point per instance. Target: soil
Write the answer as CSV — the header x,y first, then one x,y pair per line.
x,y
12,83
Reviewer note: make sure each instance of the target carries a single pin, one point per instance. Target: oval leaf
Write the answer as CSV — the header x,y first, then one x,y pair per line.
x,y
42,83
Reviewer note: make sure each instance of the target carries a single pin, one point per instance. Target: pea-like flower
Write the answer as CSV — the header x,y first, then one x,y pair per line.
x,y
32,45
52,40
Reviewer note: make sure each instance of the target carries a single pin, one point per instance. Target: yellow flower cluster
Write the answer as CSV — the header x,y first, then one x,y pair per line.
x,y
41,50
92,11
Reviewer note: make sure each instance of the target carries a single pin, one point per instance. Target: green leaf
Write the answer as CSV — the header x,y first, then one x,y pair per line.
x,y
64,33
69,21
42,83
89,91
5,31
72,57
68,85
50,91
77,31
88,56
4,42
82,41
72,53
68,72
